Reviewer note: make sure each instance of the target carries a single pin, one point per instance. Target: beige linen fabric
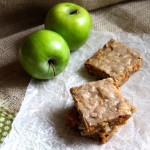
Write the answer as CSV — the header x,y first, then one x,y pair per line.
x,y
128,16
88,4
19,15
20,18
13,80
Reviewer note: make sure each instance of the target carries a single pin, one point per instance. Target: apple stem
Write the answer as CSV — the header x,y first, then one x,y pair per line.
x,y
73,12
53,67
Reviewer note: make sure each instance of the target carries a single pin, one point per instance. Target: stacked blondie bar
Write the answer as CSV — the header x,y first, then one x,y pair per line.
x,y
100,109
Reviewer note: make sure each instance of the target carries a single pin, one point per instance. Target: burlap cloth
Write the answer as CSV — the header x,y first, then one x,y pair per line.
x,y
19,18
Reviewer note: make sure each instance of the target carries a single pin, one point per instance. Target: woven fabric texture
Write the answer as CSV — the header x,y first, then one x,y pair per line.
x,y
6,119
18,15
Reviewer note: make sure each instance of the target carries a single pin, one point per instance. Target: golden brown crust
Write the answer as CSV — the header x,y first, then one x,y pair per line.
x,y
98,102
114,60
74,121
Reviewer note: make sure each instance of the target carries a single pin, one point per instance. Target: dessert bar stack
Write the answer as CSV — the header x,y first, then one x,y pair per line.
x,y
100,109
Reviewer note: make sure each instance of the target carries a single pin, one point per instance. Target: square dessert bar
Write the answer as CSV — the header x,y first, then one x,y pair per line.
x,y
74,121
99,109
114,60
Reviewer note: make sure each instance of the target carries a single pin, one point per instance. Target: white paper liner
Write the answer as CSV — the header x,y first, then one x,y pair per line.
x,y
40,124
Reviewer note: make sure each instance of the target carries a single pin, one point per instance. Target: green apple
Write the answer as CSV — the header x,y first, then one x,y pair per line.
x,y
71,21
44,54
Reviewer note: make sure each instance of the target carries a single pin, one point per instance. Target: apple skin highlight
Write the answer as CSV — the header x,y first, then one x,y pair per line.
x,y
44,54
71,21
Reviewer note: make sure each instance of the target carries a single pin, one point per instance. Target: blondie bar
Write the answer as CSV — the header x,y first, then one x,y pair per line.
x,y
114,60
99,109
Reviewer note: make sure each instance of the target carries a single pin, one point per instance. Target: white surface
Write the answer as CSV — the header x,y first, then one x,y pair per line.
x,y
40,124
